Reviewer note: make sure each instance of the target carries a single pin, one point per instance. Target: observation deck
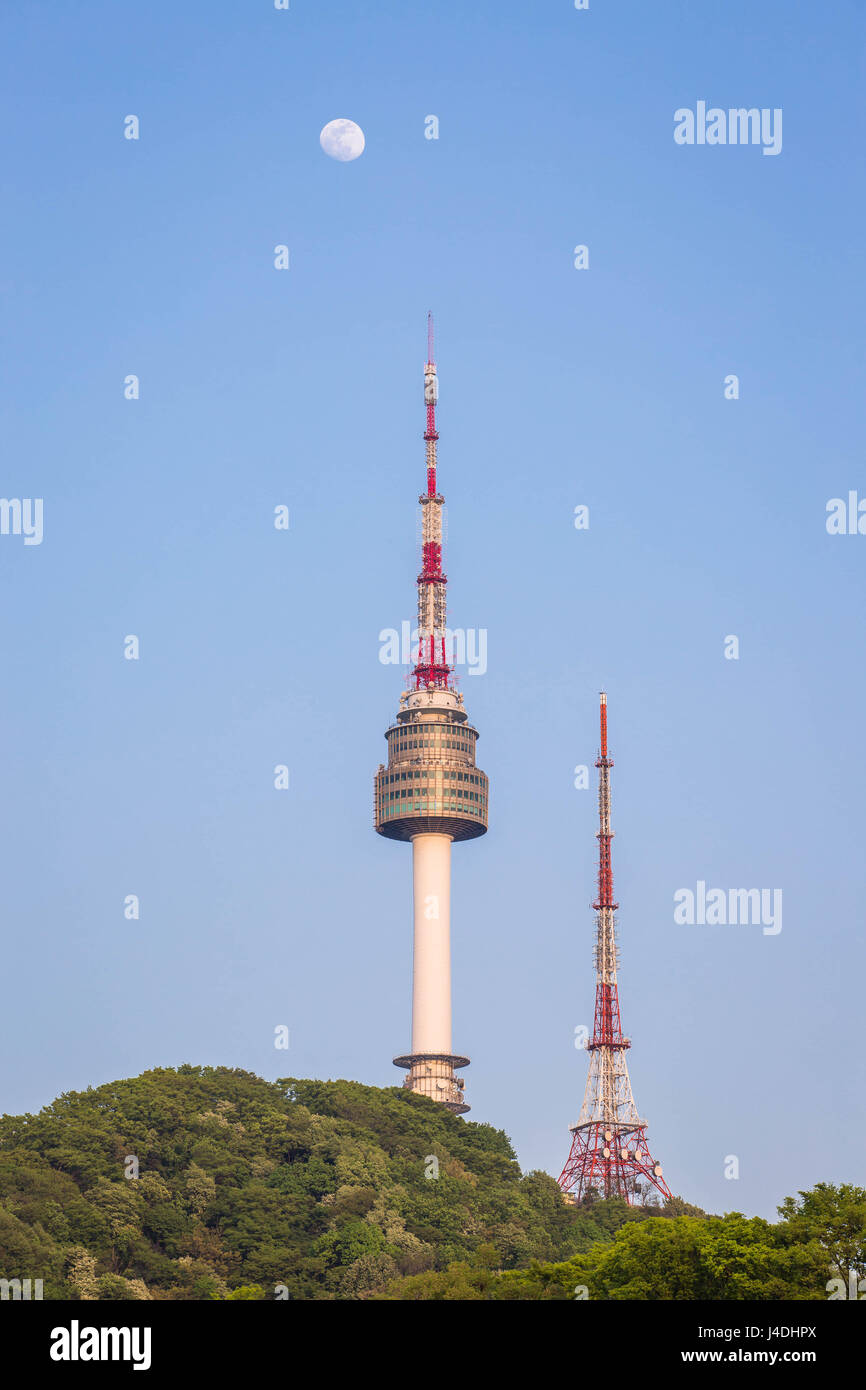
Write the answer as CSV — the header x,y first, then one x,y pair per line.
x,y
431,784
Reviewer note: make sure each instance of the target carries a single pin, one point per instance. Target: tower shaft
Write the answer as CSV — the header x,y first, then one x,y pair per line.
x,y
431,971
609,1152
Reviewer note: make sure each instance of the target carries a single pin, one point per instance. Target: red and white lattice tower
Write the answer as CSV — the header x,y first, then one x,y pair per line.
x,y
609,1151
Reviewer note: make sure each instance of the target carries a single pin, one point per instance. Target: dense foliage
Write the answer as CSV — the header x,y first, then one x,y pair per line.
x,y
201,1183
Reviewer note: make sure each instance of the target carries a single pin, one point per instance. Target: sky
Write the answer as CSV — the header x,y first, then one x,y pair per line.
x,y
602,387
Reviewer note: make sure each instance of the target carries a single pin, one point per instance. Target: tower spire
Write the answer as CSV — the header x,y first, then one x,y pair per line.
x,y
431,668
609,1151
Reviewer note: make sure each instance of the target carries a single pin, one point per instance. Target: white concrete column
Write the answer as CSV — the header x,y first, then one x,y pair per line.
x,y
431,975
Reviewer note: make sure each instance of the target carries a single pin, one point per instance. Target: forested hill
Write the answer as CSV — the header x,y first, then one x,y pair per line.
x,y
201,1183
326,1188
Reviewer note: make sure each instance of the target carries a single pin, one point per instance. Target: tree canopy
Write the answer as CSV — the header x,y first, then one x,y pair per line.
x,y
210,1183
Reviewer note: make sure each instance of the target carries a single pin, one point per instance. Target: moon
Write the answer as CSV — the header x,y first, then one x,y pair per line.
x,y
342,140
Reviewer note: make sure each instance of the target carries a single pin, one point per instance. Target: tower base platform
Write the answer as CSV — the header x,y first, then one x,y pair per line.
x,y
431,1074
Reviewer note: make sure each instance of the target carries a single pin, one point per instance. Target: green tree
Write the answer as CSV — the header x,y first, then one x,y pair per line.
x,y
835,1218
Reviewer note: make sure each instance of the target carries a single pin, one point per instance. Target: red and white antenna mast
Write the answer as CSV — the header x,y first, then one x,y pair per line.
x,y
431,669
609,1152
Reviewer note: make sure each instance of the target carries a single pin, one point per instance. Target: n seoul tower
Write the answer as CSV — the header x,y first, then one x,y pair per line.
x,y
431,793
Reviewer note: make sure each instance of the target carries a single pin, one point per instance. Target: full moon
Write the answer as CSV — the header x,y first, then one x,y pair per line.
x,y
343,140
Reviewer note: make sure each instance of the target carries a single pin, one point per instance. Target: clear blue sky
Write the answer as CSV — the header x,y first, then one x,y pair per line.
x,y
558,387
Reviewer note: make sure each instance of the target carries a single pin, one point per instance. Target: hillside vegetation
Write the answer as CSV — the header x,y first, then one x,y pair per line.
x,y
210,1183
